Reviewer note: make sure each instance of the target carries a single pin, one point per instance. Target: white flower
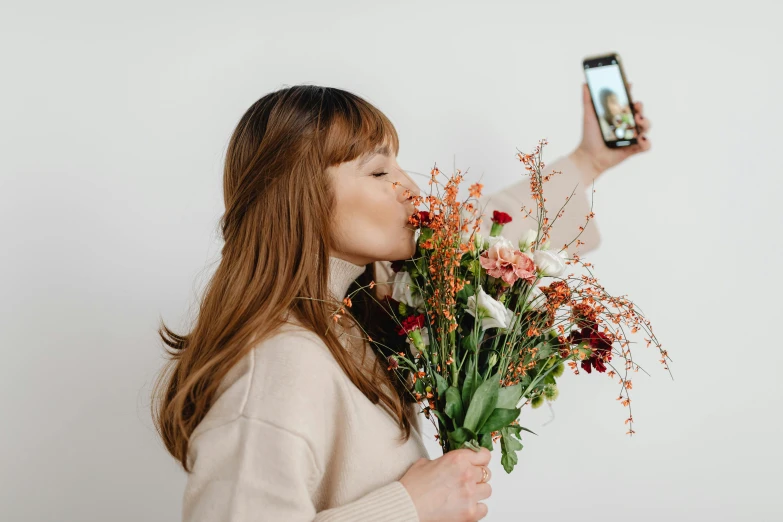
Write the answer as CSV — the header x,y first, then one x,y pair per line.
x,y
478,241
550,265
491,241
493,314
536,298
402,290
528,239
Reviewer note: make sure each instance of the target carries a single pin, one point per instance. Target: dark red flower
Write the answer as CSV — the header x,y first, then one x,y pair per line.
x,y
601,345
501,218
396,266
425,218
411,323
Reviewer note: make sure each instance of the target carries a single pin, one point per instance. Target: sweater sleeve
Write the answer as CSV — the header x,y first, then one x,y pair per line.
x,y
511,198
251,470
261,454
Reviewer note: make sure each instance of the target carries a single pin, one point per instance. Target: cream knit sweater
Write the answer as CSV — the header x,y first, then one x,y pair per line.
x,y
289,438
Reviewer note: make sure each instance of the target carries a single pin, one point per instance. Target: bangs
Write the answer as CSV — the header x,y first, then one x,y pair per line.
x,y
354,128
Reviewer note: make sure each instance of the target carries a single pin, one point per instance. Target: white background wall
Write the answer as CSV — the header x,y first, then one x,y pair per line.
x,y
115,117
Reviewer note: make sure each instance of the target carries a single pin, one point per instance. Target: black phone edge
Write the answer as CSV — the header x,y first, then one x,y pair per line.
x,y
593,61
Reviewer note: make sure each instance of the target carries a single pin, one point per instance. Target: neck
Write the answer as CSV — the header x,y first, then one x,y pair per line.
x,y
341,274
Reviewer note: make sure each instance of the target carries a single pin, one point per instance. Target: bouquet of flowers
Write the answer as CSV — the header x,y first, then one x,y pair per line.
x,y
489,323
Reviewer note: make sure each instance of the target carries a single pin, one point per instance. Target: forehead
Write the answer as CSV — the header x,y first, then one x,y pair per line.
x,y
367,156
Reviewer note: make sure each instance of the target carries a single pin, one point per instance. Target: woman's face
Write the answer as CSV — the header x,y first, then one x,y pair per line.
x,y
371,213
614,106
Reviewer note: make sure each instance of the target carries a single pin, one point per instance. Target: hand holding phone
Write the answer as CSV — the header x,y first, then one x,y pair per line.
x,y
612,102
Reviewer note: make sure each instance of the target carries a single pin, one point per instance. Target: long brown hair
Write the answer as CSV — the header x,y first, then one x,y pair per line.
x,y
277,232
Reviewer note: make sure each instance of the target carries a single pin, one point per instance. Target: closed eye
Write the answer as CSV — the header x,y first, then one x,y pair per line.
x,y
379,174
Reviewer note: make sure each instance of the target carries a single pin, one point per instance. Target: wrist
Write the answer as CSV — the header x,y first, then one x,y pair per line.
x,y
588,167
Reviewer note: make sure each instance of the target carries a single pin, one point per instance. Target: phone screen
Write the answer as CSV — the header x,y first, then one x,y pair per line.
x,y
611,101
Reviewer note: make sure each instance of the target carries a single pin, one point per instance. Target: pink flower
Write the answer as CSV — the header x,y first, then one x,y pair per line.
x,y
505,262
524,267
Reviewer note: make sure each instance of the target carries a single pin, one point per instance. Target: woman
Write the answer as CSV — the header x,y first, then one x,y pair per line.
x,y
278,412
617,121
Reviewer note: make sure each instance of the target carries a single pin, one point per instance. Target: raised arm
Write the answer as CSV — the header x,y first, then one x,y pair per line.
x,y
579,170
572,179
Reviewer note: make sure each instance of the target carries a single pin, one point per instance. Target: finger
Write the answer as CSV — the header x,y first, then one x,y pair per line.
x,y
643,143
483,491
585,94
478,472
481,510
642,123
479,458
638,106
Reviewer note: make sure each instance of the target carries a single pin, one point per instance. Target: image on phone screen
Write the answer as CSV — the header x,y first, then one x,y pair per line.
x,y
610,99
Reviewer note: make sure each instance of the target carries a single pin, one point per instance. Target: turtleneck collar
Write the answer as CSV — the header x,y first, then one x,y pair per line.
x,y
341,274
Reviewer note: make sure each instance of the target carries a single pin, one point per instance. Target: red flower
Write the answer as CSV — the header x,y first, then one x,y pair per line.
x,y
601,345
396,266
501,218
425,218
411,323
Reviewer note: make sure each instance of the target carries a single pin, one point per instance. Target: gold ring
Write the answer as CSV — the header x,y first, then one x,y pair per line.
x,y
485,474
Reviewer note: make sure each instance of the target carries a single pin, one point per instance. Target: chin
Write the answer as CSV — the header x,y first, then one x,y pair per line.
x,y
411,250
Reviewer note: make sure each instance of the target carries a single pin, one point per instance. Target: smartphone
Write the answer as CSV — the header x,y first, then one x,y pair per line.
x,y
611,100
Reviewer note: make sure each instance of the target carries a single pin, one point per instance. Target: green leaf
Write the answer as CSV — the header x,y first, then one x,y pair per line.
x,y
466,292
482,403
509,396
441,384
508,448
485,441
469,343
460,435
468,387
499,418
545,349
444,420
472,444
454,405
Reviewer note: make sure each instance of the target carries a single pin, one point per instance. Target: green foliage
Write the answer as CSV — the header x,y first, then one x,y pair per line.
x,y
509,447
485,441
469,343
508,396
466,292
441,383
470,384
454,405
459,436
482,403
499,418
